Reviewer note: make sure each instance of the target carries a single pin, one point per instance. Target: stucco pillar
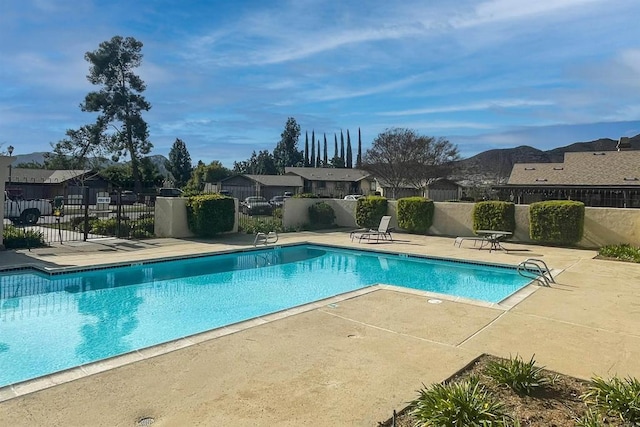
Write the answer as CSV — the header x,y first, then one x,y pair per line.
x,y
5,161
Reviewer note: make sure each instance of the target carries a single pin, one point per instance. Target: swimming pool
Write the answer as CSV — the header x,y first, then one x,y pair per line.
x,y
52,322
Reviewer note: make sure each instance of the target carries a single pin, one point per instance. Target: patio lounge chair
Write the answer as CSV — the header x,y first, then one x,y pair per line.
x,y
383,231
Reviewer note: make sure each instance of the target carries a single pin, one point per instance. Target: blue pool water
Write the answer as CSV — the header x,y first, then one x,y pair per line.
x,y
50,323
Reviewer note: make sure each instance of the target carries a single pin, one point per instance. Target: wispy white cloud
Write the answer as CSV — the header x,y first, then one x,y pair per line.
x,y
475,106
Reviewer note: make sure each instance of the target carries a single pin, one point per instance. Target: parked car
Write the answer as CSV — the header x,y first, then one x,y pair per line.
x,y
256,205
170,192
353,196
277,201
126,198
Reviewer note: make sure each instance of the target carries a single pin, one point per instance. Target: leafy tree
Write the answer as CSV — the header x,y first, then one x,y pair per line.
x,y
30,165
119,101
202,174
325,160
286,152
216,172
349,159
149,173
179,163
261,163
313,149
359,157
118,175
121,176
401,156
83,148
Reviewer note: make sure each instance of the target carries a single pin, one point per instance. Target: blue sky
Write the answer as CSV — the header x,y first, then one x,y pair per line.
x,y
224,75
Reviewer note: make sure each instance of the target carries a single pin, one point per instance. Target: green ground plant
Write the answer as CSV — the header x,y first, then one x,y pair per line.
x,y
617,397
623,252
18,238
523,377
466,403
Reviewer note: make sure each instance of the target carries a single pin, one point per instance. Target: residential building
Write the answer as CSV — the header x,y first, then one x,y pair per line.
x,y
606,178
334,182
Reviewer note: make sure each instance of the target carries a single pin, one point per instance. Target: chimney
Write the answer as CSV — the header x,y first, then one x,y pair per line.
x,y
624,144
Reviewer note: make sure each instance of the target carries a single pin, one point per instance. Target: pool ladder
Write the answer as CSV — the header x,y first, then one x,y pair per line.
x,y
536,269
266,238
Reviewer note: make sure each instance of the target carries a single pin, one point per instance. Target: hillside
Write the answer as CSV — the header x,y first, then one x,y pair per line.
x,y
494,166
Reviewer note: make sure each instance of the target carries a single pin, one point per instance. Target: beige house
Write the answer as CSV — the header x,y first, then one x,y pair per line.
x,y
334,182
604,178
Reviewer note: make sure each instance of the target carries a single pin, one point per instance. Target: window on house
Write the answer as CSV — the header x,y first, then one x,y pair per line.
x,y
339,185
372,186
322,184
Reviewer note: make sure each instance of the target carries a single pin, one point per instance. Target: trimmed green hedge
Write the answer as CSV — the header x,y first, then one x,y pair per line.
x,y
321,213
559,222
415,214
370,210
494,215
305,196
210,214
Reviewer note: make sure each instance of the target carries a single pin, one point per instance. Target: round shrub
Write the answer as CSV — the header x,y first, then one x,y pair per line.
x,y
370,210
322,214
558,222
210,214
494,215
415,214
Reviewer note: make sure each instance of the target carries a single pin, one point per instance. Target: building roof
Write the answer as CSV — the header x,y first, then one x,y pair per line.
x,y
43,176
328,174
603,168
277,180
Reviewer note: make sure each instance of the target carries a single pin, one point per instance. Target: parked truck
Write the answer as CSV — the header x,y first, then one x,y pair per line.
x,y
21,211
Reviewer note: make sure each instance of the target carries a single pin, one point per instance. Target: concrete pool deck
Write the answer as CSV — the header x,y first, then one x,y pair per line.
x,y
350,362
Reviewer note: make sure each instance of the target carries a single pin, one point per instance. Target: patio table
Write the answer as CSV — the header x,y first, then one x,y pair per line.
x,y
494,238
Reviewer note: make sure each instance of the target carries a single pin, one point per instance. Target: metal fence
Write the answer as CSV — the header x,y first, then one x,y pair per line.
x,y
71,218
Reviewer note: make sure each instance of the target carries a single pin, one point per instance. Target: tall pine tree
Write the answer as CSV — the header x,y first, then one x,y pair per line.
x,y
349,163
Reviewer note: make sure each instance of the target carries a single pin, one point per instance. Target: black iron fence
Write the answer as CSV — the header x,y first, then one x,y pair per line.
x,y
72,218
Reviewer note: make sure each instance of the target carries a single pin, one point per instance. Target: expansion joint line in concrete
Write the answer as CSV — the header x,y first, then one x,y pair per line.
x,y
461,343
368,325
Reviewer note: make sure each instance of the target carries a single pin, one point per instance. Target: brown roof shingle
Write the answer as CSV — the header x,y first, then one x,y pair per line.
x,y
606,168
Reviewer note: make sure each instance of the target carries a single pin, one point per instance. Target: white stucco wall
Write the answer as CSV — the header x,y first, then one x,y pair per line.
x,y
603,226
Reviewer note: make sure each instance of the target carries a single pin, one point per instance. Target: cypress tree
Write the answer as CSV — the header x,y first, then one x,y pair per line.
x,y
306,148
325,161
313,149
335,139
318,161
349,163
359,158
342,148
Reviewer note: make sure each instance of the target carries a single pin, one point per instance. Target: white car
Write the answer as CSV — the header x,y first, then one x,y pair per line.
x,y
353,196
